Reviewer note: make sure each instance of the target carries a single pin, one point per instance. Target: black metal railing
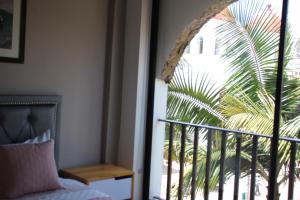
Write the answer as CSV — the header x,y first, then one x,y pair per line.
x,y
237,168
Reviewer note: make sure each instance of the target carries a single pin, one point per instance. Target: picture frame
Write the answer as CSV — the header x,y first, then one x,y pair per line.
x,y
12,30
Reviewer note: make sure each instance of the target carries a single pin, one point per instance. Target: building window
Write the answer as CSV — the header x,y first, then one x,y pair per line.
x,y
298,49
187,49
217,47
200,45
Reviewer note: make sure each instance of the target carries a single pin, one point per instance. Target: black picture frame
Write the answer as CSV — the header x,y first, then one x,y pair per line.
x,y
12,49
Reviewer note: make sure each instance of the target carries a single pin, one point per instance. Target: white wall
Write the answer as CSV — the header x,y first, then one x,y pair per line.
x,y
158,137
208,63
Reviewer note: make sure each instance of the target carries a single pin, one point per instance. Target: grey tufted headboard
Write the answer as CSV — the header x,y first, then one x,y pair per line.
x,y
24,117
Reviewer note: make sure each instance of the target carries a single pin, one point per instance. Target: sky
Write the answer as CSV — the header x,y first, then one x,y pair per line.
x,y
293,13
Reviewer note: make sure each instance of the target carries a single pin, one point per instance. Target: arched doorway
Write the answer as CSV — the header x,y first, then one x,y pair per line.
x,y
168,71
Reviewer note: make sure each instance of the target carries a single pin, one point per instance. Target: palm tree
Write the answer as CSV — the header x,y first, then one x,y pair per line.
x,y
246,102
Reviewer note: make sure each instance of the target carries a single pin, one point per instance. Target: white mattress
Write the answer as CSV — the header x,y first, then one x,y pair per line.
x,y
74,190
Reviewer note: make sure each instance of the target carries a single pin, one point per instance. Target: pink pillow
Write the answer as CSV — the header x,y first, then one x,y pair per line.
x,y
27,168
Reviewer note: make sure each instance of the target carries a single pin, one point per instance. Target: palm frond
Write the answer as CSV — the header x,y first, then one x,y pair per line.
x,y
192,98
250,33
243,113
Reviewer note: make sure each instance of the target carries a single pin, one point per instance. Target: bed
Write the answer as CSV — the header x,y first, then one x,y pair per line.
x,y
25,117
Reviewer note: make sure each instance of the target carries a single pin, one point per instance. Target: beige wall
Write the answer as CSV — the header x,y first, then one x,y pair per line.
x,y
113,81
64,55
124,107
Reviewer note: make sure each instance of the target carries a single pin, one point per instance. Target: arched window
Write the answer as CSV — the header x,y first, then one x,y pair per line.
x,y
201,45
217,46
187,49
298,49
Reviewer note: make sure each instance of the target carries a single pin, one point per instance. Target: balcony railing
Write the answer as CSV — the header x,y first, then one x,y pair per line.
x,y
210,131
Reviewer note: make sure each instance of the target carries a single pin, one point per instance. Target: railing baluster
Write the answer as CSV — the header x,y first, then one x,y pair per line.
x,y
237,168
181,160
253,167
169,178
222,162
293,141
208,158
292,170
194,172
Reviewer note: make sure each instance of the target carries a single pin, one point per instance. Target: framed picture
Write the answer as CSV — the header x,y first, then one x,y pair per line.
x,y
12,30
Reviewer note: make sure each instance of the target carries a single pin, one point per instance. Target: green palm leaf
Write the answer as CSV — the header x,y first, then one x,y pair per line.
x,y
246,102
193,99
250,33
243,113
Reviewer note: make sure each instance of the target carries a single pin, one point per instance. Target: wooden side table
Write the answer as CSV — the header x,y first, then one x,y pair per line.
x,y
113,180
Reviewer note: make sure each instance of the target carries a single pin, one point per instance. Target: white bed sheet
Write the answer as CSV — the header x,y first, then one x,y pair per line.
x,y
74,190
